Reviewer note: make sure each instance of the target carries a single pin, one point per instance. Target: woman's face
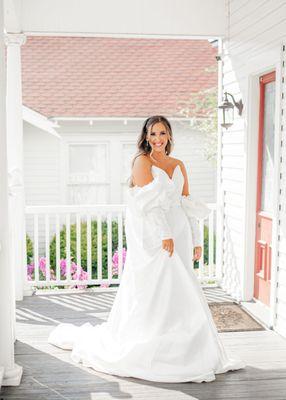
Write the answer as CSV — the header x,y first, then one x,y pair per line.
x,y
158,137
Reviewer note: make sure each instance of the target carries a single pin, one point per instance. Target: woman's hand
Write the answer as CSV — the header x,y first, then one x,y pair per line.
x,y
197,253
168,244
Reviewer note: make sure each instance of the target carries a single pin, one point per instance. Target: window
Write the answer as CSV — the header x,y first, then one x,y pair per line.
x,y
88,174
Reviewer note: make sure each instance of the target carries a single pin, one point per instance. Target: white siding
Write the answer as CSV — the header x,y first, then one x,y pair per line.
x,y
189,146
46,164
41,172
280,304
252,47
41,167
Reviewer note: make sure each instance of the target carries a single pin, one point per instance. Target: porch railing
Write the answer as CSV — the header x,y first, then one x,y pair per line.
x,y
79,245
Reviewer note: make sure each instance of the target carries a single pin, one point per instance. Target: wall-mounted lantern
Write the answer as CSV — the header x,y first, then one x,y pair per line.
x,y
227,108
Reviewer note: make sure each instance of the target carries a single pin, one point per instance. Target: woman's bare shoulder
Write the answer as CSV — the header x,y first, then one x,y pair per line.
x,y
142,161
141,171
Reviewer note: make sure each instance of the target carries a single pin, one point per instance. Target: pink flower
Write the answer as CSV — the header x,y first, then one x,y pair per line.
x,y
30,269
115,261
42,265
80,275
105,285
73,267
63,266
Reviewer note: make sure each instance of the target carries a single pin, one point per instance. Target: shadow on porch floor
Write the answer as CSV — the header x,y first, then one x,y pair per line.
x,y
50,374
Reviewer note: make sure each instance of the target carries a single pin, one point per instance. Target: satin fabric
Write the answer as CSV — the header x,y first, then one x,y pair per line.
x,y
160,327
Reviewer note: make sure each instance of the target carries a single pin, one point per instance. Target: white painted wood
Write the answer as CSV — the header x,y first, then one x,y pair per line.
x,y
99,247
110,212
10,373
251,48
109,246
88,243
78,242
211,245
127,18
58,249
47,246
68,247
36,247
278,286
280,89
120,244
39,121
15,156
220,192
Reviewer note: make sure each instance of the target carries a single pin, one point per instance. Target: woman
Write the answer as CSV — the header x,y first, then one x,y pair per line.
x,y
160,327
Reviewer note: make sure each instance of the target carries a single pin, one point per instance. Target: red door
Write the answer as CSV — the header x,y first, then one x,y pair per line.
x,y
264,203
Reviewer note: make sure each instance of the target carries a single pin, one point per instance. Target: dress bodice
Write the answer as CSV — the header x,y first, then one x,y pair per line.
x,y
175,183
164,192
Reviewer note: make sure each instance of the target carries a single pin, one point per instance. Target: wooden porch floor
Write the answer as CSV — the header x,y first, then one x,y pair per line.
x,y
50,374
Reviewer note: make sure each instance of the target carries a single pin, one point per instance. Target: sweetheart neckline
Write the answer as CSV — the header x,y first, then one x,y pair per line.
x,y
171,178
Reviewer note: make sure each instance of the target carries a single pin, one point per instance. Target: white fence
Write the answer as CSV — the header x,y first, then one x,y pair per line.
x,y
78,245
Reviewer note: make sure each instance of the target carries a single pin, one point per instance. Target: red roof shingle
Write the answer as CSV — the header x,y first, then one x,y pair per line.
x,y
108,77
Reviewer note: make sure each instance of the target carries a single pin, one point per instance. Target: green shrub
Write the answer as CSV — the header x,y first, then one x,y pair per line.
x,y
73,245
29,245
29,249
206,248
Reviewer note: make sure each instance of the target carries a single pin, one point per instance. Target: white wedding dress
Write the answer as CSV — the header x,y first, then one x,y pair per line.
x,y
160,327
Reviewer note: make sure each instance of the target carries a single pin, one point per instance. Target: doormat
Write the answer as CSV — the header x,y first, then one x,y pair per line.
x,y
230,317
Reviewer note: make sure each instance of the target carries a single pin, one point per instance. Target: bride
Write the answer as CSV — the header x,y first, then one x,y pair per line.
x,y
160,327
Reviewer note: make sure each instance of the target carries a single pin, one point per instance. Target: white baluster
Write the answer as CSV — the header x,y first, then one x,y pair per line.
x,y
47,247
68,248
58,248
88,243
36,247
78,242
109,246
211,244
99,247
120,244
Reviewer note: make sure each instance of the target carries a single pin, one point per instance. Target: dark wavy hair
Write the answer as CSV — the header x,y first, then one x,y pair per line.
x,y
143,147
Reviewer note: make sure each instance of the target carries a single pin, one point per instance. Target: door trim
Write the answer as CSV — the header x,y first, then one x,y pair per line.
x,y
251,145
261,278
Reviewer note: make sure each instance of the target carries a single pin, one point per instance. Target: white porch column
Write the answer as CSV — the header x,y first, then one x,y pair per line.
x,y
15,158
10,373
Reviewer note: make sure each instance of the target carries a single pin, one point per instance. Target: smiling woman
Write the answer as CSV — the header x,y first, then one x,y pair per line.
x,y
160,327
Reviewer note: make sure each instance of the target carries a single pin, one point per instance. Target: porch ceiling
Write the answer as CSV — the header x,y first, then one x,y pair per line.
x,y
200,18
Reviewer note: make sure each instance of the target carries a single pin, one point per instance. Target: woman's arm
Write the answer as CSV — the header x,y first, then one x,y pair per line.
x,y
185,191
194,224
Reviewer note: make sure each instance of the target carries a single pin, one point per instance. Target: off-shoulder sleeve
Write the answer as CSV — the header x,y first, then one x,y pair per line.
x,y
194,207
195,210
152,202
197,236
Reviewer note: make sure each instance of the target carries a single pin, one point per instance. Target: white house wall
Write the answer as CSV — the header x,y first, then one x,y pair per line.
x,y
189,146
252,47
41,167
46,163
279,312
41,172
